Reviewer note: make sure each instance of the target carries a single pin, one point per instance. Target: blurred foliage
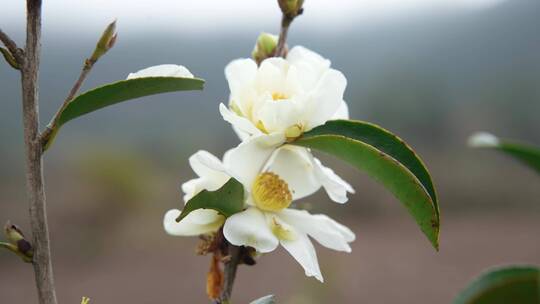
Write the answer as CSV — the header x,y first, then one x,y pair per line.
x,y
511,284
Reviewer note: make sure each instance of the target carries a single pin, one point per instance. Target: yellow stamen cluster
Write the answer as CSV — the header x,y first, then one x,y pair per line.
x,y
276,96
270,192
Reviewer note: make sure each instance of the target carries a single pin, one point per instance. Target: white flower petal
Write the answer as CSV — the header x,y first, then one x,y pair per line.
x,y
311,66
272,76
327,98
342,112
277,116
483,140
304,253
246,161
205,164
164,70
193,187
212,174
241,124
293,165
335,186
198,222
240,73
323,229
300,54
249,228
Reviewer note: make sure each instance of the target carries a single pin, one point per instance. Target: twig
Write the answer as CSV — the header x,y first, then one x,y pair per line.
x,y
34,162
289,14
15,51
48,132
104,44
229,271
282,42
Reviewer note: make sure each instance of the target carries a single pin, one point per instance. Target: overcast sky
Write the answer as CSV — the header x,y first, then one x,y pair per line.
x,y
210,15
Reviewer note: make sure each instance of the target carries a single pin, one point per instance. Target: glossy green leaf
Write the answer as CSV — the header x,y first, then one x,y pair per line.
x,y
120,91
227,200
513,284
387,159
527,154
270,299
125,90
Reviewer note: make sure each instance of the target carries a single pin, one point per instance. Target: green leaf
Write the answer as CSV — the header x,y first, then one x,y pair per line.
x,y
270,299
120,91
387,159
511,284
527,154
227,200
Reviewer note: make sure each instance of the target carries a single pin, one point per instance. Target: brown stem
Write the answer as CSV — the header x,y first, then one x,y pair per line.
x,y
46,135
12,47
282,41
34,162
229,272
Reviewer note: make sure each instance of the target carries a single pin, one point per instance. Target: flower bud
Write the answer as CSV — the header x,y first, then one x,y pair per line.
x,y
293,132
291,8
13,233
21,246
265,47
106,42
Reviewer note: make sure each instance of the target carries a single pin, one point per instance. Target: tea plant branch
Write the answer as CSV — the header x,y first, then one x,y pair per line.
x,y
34,161
16,52
105,43
291,10
230,268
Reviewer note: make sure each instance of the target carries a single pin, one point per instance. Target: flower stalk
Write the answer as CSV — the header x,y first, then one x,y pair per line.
x,y
290,9
104,44
234,258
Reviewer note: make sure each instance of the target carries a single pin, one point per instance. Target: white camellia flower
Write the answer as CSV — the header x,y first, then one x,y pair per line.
x,y
212,176
279,100
286,96
271,184
164,70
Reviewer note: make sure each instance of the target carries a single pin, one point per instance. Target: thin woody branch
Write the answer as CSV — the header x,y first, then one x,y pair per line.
x,y
105,43
282,42
47,134
291,9
42,263
230,268
15,51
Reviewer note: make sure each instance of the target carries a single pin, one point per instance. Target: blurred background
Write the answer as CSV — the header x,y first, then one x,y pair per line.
x,y
431,71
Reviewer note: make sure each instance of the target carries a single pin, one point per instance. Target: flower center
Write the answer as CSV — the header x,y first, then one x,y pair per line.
x,y
270,192
277,96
